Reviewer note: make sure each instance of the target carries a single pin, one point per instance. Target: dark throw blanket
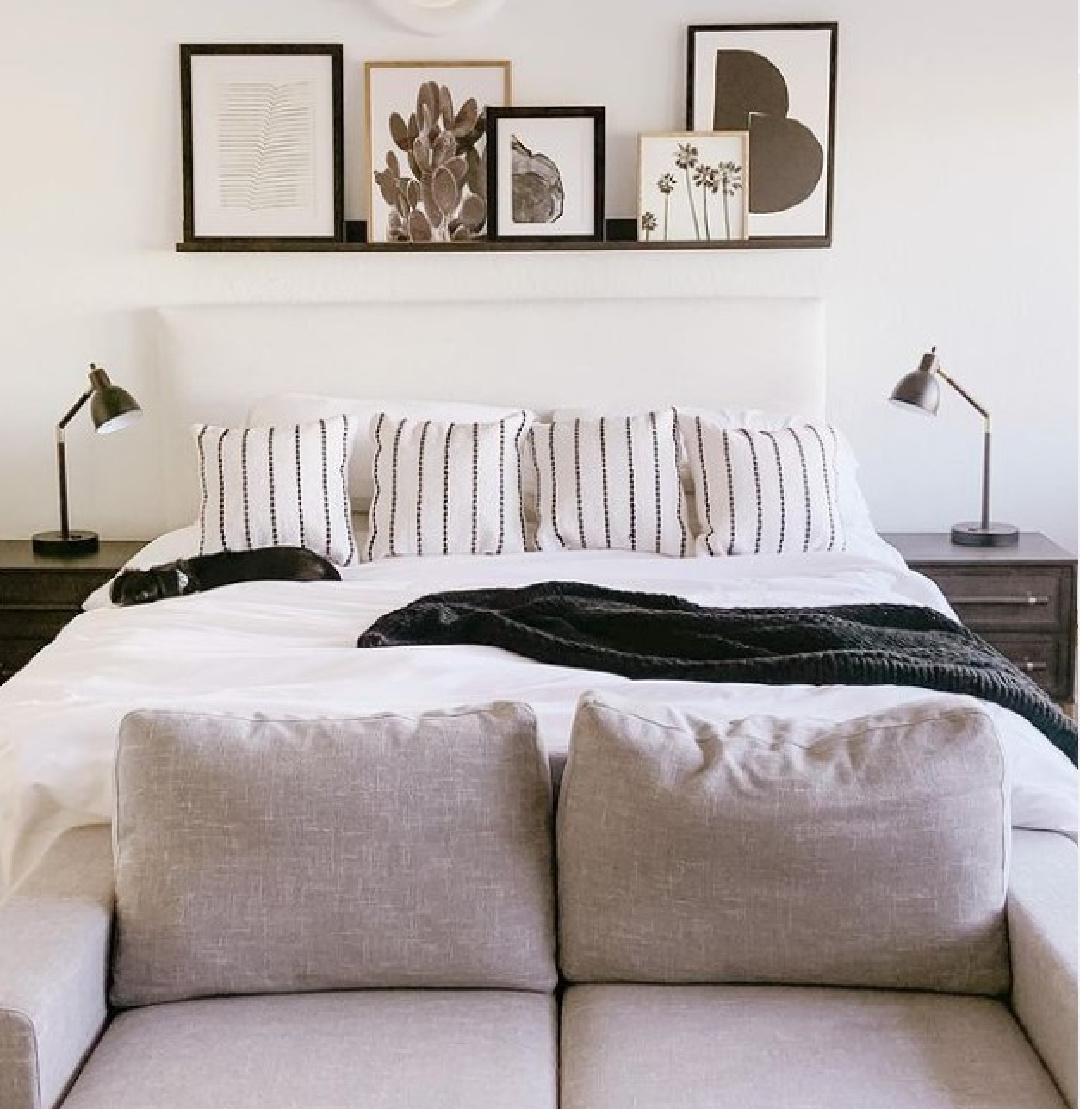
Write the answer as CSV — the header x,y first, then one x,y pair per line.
x,y
649,635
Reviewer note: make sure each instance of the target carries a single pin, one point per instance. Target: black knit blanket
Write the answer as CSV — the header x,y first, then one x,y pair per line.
x,y
656,636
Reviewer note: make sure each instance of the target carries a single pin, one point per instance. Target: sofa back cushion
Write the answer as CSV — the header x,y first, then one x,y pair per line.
x,y
865,853
259,855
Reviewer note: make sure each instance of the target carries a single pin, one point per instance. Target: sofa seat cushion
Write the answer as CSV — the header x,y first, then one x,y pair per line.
x,y
392,1049
760,1047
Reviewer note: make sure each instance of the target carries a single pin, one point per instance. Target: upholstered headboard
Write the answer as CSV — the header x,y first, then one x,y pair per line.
x,y
711,352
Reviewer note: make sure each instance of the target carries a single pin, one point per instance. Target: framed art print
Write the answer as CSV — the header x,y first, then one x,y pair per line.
x,y
778,82
426,145
546,174
692,187
263,146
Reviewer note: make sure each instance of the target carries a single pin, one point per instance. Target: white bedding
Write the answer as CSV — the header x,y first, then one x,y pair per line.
x,y
290,648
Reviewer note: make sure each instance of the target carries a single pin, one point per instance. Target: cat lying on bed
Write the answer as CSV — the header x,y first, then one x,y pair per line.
x,y
202,572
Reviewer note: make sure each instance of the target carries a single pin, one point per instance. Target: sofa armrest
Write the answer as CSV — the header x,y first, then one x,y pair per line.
x,y
54,953
1042,910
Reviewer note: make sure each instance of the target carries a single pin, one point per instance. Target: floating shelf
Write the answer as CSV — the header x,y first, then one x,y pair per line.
x,y
620,235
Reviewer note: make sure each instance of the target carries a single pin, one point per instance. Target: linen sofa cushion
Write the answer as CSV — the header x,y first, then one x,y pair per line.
x,y
865,853
258,855
761,1047
380,1049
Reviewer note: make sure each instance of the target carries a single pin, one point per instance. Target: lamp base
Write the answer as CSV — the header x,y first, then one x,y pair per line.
x,y
54,544
993,535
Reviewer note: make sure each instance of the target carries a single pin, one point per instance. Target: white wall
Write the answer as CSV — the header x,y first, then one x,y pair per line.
x,y
956,224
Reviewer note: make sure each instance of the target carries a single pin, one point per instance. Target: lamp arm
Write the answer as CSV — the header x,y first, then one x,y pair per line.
x,y
985,521
61,461
73,410
966,395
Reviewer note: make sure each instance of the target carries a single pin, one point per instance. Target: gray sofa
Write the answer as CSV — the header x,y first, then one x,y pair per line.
x,y
751,914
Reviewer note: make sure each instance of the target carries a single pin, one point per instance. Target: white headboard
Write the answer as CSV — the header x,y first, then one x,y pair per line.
x,y
622,355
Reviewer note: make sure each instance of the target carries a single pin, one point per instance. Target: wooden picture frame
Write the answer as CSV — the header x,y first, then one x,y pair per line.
x,y
778,82
693,187
238,188
545,173
436,192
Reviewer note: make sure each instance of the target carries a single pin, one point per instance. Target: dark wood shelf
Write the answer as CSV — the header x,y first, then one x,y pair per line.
x,y
620,235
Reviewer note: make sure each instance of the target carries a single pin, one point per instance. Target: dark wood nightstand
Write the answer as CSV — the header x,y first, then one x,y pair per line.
x,y
1020,599
38,596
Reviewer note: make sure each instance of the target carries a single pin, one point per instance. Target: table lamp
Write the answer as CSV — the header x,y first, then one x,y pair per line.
x,y
111,409
919,391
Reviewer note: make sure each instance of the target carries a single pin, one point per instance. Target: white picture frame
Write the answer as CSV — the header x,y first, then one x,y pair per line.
x,y
692,187
263,146
445,200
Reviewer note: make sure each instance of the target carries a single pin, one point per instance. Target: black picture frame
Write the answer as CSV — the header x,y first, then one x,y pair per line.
x,y
333,193
547,190
758,91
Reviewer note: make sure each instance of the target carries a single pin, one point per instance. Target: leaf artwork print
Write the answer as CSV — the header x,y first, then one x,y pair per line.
x,y
266,145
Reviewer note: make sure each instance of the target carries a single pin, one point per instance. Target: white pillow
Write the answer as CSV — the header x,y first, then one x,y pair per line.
x,y
858,526
281,486
447,487
762,491
304,408
610,483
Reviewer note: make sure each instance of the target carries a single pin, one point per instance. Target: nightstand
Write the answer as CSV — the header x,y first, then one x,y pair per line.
x,y
1020,599
38,596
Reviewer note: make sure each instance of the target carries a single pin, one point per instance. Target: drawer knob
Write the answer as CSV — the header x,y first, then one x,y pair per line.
x,y
1032,667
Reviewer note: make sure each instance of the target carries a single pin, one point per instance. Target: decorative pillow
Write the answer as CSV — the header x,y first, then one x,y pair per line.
x,y
282,486
261,855
610,483
765,491
868,852
447,488
304,408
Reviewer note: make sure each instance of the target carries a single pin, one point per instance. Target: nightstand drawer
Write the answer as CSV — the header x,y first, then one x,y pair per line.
x,y
40,624
1041,657
15,654
1010,597
63,588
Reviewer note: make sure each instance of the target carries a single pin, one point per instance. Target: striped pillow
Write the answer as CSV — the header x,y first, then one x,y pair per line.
x,y
276,487
444,488
610,483
765,491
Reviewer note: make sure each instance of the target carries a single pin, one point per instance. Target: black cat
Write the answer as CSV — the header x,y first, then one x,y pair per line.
x,y
202,572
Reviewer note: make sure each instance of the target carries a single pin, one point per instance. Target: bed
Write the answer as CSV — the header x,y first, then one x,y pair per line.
x,y
290,648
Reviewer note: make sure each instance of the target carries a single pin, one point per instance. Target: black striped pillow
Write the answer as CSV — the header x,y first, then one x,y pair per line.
x,y
444,488
281,486
610,483
765,491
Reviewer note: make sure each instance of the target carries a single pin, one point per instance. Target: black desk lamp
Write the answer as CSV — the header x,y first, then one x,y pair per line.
x,y
919,390
111,409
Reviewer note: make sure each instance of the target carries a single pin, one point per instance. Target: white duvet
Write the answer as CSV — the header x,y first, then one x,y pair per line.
x,y
278,647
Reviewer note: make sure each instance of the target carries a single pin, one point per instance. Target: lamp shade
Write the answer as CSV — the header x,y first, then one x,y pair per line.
x,y
919,389
111,408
